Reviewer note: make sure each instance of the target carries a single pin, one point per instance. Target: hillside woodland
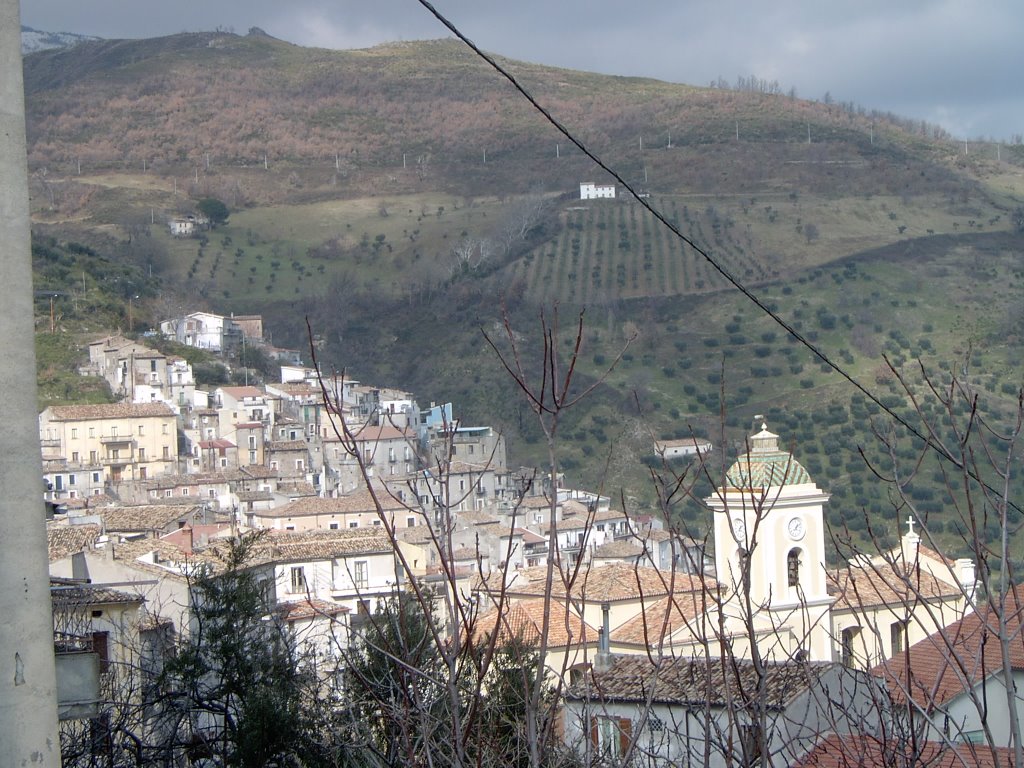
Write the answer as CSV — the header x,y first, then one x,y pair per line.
x,y
399,196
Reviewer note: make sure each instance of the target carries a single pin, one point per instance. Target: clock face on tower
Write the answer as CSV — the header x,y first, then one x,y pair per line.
x,y
739,528
795,527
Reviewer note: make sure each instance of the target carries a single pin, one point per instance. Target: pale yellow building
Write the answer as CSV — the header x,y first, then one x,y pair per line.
x,y
130,441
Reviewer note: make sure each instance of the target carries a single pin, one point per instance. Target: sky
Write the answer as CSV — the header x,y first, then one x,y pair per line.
x,y
952,63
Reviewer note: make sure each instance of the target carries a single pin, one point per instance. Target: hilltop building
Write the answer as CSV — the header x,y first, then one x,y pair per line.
x,y
591,191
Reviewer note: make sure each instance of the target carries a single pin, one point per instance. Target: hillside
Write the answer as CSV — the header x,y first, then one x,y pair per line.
x,y
355,178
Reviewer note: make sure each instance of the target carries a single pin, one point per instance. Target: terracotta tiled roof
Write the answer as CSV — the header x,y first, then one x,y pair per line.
x,y
216,443
296,389
535,502
943,665
585,520
621,548
65,594
240,393
524,620
646,628
109,411
386,432
353,503
865,586
143,518
611,582
63,539
860,751
257,472
457,467
529,537
284,546
309,608
703,682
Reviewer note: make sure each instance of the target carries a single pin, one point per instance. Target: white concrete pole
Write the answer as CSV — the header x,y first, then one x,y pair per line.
x,y
28,695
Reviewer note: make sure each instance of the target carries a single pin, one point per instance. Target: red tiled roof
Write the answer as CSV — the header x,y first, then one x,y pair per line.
x,y
862,586
385,432
524,620
703,681
216,443
670,614
861,751
354,503
109,411
309,608
943,665
614,581
64,539
240,393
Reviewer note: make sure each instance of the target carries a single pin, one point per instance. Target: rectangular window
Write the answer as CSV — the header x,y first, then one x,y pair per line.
x,y
142,453
167,452
95,477
74,433
848,637
298,579
360,574
354,524
142,429
410,522
92,431
71,479
92,457
610,736
113,431
115,453
163,429
898,637
74,457
333,525
101,647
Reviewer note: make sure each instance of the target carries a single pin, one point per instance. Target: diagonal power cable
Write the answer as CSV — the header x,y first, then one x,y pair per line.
x,y
927,440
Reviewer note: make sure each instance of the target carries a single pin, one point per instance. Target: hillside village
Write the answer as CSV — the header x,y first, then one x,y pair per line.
x,y
355,492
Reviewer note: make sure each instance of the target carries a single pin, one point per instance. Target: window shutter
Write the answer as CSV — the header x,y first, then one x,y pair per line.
x,y
594,738
625,734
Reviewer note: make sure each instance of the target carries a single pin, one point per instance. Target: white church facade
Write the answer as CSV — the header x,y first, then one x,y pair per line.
x,y
775,589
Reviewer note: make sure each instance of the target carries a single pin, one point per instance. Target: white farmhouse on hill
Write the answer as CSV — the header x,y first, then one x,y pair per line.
x,y
591,191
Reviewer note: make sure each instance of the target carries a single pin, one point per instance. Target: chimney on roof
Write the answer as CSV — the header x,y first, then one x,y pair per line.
x,y
965,572
603,659
79,567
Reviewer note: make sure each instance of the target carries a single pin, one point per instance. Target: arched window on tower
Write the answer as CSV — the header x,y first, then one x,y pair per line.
x,y
793,567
